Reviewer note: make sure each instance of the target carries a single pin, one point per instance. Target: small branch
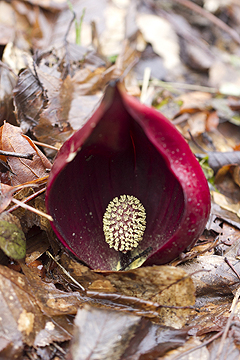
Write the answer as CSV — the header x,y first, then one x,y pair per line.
x,y
205,343
131,301
45,145
231,267
65,271
5,165
228,324
172,85
14,154
31,197
195,142
30,208
216,21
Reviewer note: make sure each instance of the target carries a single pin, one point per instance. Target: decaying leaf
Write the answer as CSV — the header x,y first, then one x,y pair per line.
x,y
229,348
53,5
192,349
23,170
229,235
157,341
6,195
37,244
30,98
160,33
216,160
103,334
226,203
28,218
194,101
71,105
53,100
7,192
7,83
163,285
215,278
197,123
111,335
54,120
22,320
12,239
236,175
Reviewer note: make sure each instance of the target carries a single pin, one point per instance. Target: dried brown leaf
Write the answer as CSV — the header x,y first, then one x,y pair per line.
x,y
7,83
49,299
194,101
30,98
103,334
40,22
37,244
12,238
166,285
157,341
196,124
162,285
225,184
72,105
212,121
218,215
216,160
236,175
22,320
54,302
185,352
6,23
230,349
229,234
12,139
213,277
53,127
6,195
52,5
111,335
226,203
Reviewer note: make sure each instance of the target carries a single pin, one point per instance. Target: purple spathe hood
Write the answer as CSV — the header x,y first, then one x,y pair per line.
x,y
127,148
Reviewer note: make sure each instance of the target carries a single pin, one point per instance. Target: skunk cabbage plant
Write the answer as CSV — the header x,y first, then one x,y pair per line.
x,y
125,189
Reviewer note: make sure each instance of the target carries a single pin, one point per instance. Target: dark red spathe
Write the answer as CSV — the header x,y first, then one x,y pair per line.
x,y
127,148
